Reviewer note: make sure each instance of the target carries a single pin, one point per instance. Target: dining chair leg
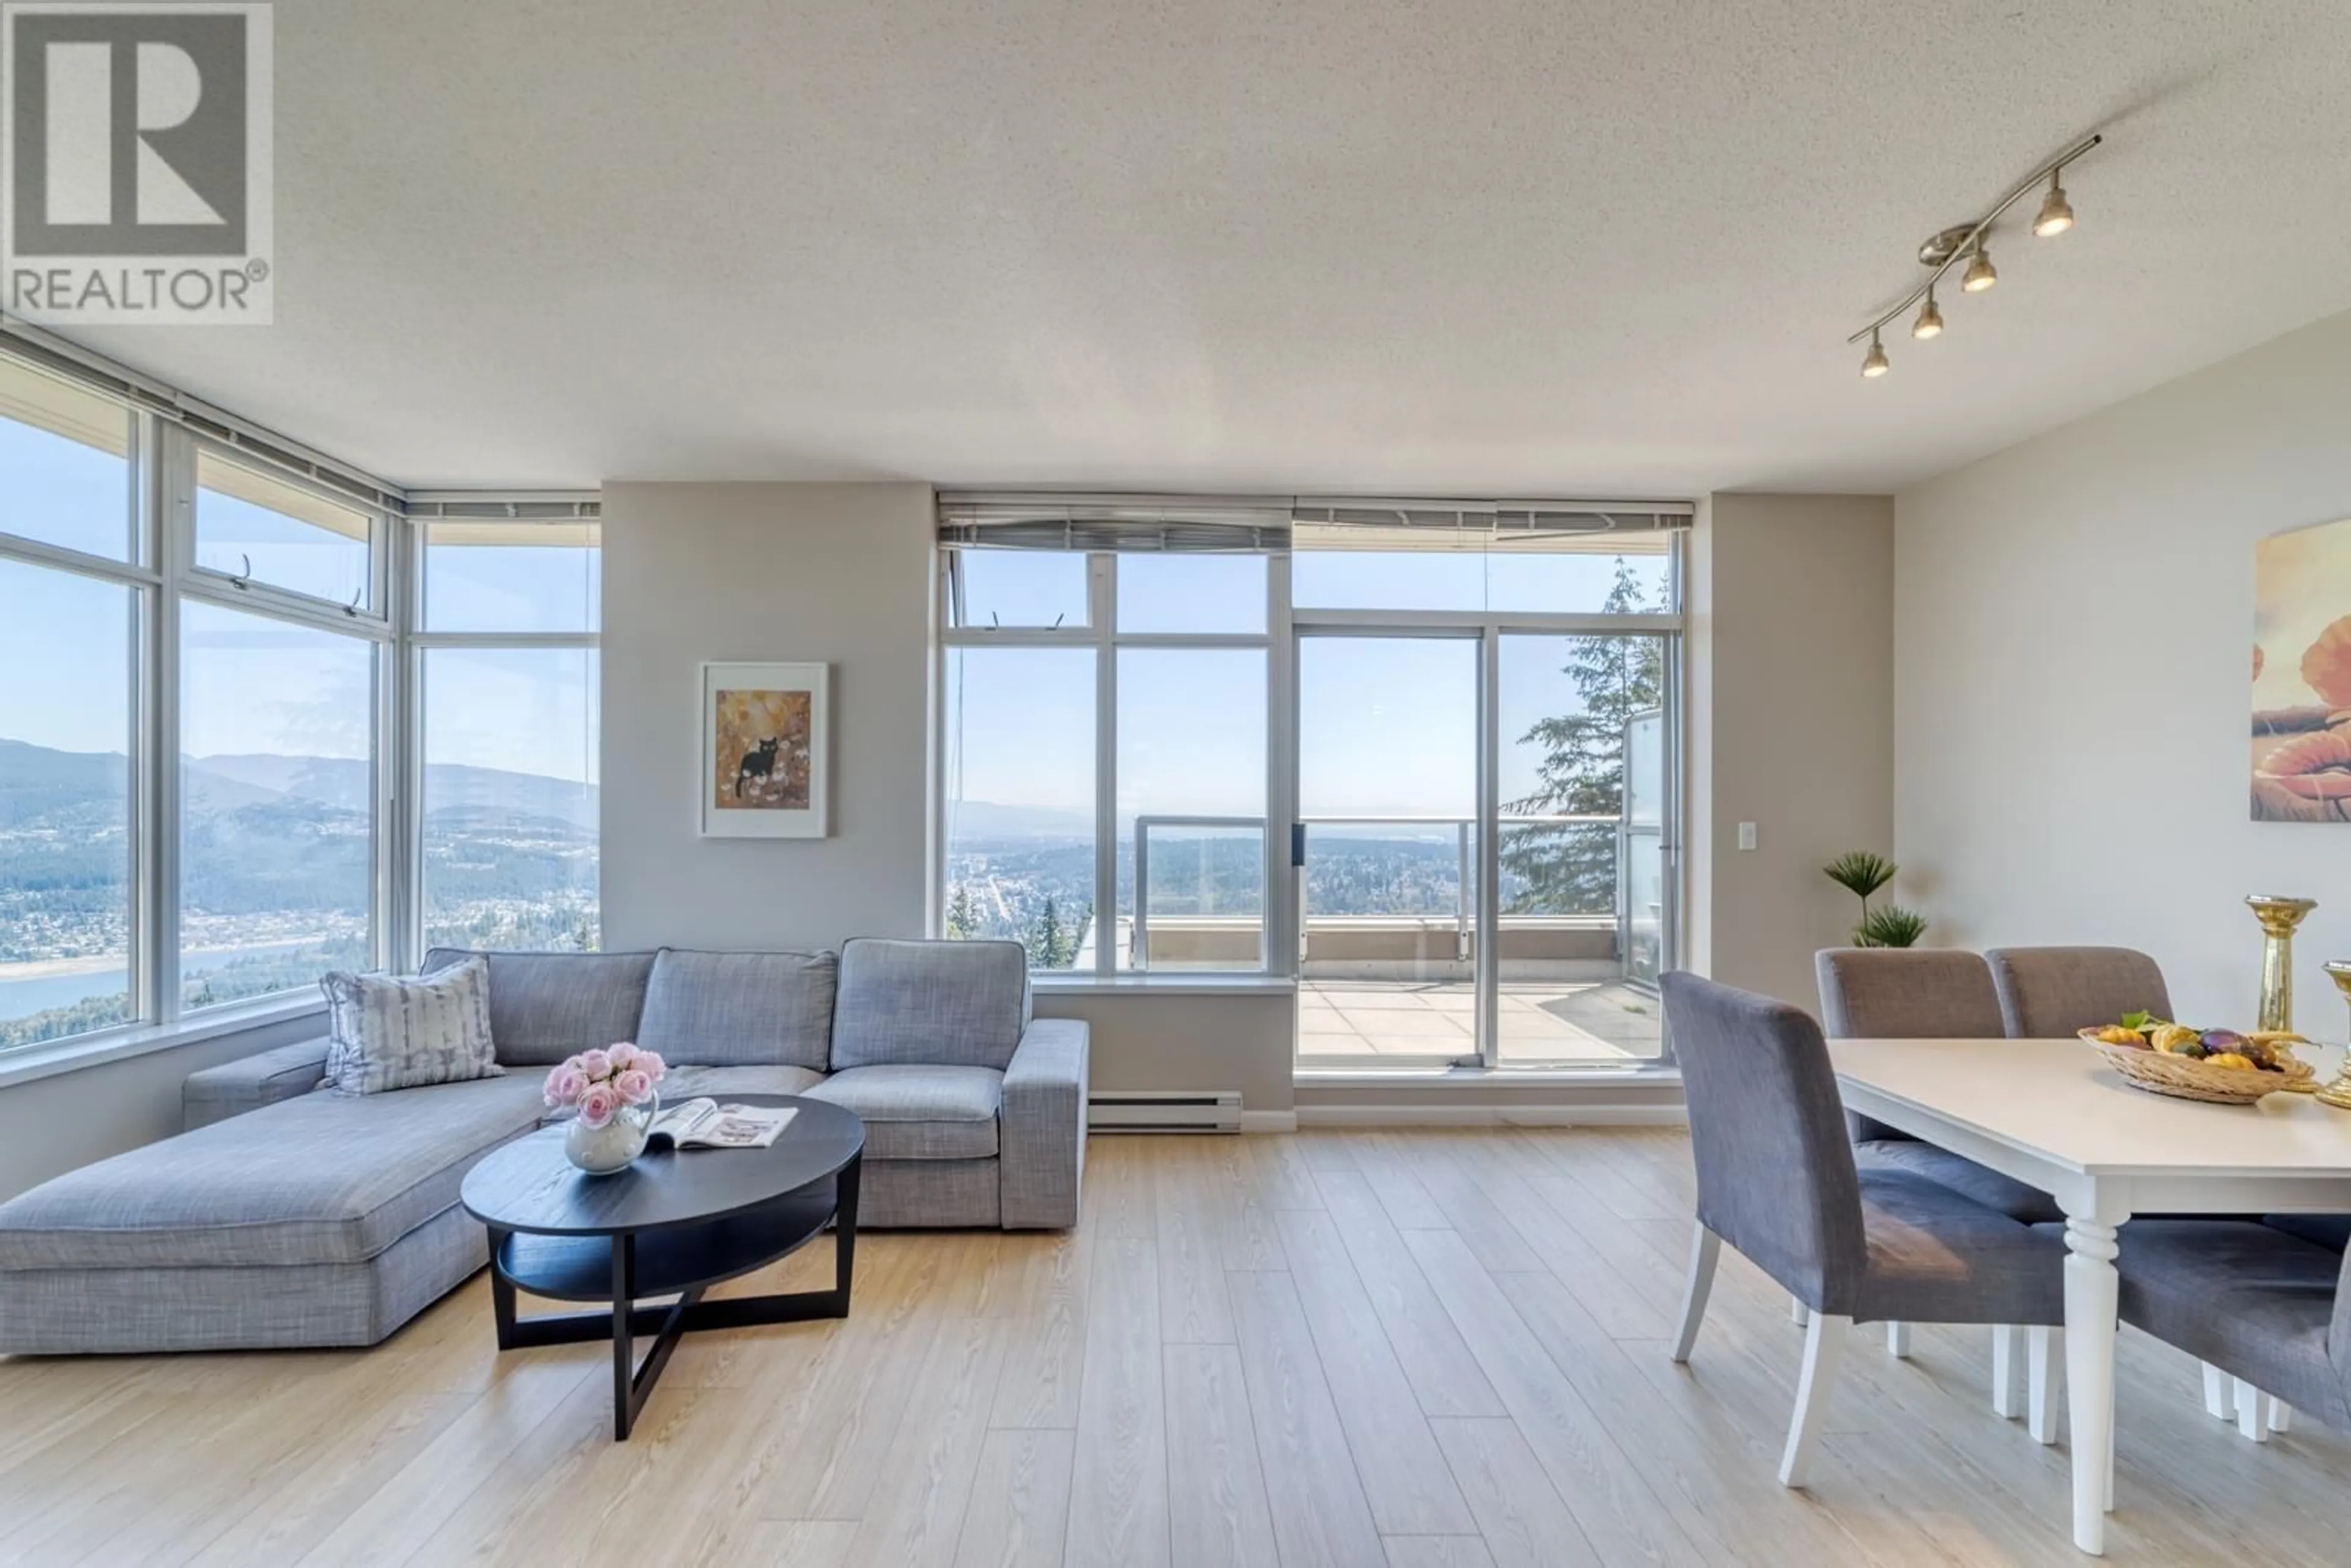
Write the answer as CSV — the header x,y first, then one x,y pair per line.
x,y
1706,1250
1799,1313
2046,1375
2252,1413
1824,1341
1897,1341
2217,1403
2004,1370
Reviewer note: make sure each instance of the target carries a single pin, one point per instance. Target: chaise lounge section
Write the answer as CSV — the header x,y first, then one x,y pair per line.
x,y
286,1216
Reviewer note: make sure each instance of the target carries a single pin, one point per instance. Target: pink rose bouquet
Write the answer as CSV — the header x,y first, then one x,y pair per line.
x,y
600,1081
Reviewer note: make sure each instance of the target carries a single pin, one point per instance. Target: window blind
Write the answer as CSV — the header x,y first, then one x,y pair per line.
x,y
1612,527
1195,524
1167,525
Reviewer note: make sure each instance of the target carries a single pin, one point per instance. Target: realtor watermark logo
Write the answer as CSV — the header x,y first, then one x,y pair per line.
x,y
135,185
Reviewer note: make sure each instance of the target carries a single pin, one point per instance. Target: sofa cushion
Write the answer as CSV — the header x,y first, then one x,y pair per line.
x,y
958,1004
735,1009
397,1031
544,1006
717,1083
322,1178
920,1113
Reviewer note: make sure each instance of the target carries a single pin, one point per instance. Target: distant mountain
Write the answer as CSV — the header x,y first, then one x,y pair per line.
x,y
42,787
59,788
481,794
329,780
974,820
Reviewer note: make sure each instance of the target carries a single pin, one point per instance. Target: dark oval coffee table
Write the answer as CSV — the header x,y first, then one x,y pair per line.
x,y
674,1223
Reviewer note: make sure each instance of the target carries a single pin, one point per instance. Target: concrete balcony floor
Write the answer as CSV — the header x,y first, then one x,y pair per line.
x,y
1543,1022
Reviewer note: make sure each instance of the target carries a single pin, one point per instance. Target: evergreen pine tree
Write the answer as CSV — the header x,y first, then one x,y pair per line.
x,y
959,915
1045,948
1571,867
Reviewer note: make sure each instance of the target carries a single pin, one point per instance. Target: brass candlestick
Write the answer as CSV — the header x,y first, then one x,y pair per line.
x,y
2278,916
2338,1093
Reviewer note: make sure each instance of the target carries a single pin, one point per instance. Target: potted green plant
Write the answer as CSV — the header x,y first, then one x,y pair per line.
x,y
1862,874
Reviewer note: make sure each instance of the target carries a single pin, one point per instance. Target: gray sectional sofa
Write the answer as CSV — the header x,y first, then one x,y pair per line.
x,y
287,1216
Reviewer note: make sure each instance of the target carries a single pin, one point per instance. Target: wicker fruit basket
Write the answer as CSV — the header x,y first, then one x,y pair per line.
x,y
2185,1078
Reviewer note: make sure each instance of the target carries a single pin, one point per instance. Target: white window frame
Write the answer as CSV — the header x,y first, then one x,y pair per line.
x,y
1101,634
419,641
185,582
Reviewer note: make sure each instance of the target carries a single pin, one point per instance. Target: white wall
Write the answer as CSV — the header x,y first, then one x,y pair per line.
x,y
837,573
2073,617
1791,729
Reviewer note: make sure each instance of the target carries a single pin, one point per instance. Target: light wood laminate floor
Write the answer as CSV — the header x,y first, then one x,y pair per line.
x,y
1409,1348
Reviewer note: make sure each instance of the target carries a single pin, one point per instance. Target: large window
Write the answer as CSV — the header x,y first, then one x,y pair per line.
x,y
255,723
1019,799
508,686
1118,687
508,835
68,809
277,794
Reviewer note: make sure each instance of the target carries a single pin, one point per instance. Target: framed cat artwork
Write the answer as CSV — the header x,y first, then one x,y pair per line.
x,y
766,751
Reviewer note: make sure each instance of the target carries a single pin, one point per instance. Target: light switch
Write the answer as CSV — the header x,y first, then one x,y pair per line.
x,y
1746,835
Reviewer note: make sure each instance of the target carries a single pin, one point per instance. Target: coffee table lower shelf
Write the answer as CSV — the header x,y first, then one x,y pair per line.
x,y
682,1260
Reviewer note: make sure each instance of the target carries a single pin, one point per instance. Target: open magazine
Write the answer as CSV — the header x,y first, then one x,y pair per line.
x,y
708,1124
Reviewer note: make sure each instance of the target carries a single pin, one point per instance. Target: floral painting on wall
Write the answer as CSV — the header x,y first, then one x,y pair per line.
x,y
2302,675
763,751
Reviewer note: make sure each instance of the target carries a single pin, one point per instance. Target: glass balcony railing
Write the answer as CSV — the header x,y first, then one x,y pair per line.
x,y
1386,892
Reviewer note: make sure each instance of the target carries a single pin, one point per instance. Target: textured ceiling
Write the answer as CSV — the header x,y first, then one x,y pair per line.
x,y
1453,246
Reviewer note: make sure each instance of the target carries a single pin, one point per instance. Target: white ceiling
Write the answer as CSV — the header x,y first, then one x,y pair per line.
x,y
1491,247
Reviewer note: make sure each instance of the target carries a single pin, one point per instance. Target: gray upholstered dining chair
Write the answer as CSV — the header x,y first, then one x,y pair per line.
x,y
1941,993
1777,1180
2048,993
2268,1310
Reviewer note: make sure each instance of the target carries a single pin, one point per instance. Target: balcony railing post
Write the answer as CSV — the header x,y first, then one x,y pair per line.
x,y
1138,950
1461,892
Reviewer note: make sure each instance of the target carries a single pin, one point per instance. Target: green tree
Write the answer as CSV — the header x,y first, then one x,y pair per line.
x,y
1571,867
1047,948
959,915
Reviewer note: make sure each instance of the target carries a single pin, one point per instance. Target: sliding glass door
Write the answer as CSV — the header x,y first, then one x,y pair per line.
x,y
1386,849
1582,920
1483,848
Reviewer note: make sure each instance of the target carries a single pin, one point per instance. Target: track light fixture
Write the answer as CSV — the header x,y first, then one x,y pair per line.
x,y
1875,363
1930,319
1970,242
1980,275
2057,213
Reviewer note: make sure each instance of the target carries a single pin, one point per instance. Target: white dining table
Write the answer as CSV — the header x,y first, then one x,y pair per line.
x,y
2052,1113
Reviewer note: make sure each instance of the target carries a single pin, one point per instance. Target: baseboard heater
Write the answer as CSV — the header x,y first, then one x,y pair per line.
x,y
1164,1111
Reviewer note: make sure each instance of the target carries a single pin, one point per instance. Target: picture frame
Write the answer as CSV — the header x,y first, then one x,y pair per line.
x,y
767,751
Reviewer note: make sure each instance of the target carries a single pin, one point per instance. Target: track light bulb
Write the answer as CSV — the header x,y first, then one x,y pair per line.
x,y
2056,211
1930,319
1875,363
1980,275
